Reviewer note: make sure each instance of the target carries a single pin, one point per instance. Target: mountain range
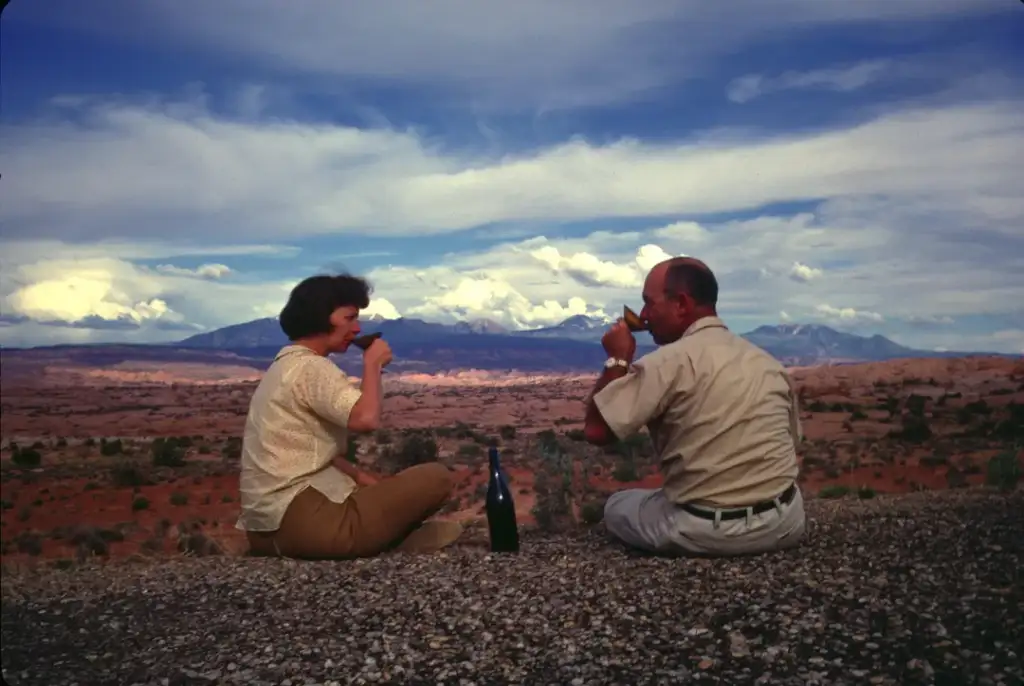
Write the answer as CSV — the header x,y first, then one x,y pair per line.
x,y
422,346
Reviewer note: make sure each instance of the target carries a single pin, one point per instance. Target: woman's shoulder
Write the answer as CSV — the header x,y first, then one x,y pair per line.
x,y
317,369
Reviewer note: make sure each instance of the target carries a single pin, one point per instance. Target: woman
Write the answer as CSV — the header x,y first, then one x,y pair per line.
x,y
295,503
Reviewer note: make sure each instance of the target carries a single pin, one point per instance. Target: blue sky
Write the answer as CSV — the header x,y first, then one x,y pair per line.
x,y
170,167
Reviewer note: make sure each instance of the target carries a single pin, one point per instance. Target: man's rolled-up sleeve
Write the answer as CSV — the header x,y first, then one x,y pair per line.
x,y
328,392
630,402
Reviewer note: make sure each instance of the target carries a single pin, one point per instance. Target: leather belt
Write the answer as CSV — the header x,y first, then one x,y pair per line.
x,y
741,512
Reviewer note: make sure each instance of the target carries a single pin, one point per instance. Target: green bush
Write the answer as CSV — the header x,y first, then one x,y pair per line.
x,y
26,457
109,448
169,452
625,471
834,491
865,493
592,512
415,449
1003,471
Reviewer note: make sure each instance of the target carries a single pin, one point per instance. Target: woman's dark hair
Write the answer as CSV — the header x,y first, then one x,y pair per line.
x,y
311,303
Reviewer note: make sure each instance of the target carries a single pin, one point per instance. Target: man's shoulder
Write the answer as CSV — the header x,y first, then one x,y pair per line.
x,y
671,354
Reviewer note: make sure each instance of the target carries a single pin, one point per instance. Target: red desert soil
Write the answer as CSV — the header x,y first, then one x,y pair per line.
x,y
80,501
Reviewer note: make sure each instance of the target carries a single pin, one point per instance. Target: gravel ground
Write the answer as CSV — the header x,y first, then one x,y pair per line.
x,y
922,589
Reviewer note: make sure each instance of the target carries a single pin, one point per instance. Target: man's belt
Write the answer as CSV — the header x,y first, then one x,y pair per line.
x,y
741,512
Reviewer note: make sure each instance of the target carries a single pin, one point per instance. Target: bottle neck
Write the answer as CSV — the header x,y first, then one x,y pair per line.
x,y
494,460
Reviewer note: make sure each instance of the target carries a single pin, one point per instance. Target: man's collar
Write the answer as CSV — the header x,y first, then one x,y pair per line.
x,y
708,322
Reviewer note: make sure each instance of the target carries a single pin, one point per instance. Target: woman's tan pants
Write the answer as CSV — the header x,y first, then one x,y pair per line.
x,y
373,519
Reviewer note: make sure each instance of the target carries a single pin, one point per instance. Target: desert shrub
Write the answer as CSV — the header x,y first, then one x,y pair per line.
x,y
26,457
470,450
109,448
835,491
547,441
916,404
232,448
416,448
205,449
576,435
955,478
592,512
125,475
178,499
979,407
914,430
625,471
91,540
507,432
199,544
168,452
865,493
140,502
858,415
29,542
1003,471
553,485
1012,427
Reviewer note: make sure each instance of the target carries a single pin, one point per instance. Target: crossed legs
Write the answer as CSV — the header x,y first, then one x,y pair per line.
x,y
645,519
376,518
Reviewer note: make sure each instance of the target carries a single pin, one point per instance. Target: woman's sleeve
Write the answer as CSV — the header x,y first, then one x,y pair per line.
x,y
327,391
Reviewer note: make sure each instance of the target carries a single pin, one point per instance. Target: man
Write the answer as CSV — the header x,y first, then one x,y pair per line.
x,y
723,419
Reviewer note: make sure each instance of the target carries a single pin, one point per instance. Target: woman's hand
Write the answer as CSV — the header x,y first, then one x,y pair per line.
x,y
360,476
378,354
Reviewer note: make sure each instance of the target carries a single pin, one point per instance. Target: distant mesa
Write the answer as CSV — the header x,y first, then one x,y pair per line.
x,y
431,347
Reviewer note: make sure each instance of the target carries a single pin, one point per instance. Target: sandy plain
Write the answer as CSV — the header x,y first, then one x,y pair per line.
x,y
891,427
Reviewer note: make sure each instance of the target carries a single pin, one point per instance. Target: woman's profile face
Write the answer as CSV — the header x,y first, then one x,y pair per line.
x,y
345,321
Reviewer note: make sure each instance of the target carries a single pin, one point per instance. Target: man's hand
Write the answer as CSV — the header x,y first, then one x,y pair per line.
x,y
619,342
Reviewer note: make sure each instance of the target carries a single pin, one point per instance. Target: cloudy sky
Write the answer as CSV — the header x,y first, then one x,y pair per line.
x,y
173,166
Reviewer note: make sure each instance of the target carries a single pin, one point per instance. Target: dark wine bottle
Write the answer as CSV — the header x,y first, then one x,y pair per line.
x,y
501,511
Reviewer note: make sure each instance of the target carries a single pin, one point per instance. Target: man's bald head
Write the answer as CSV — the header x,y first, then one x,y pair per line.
x,y
687,275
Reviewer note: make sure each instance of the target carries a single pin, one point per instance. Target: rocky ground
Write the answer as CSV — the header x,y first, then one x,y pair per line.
x,y
922,588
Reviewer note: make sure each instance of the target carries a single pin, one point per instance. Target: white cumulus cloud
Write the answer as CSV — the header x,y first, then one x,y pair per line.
x,y
803,273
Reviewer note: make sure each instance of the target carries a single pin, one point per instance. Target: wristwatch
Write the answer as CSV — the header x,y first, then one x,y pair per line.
x,y
615,362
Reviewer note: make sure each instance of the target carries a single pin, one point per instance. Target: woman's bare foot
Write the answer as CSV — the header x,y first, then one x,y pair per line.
x,y
430,537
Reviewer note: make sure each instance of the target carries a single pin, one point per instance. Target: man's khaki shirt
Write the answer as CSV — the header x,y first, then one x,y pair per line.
x,y
297,424
722,413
